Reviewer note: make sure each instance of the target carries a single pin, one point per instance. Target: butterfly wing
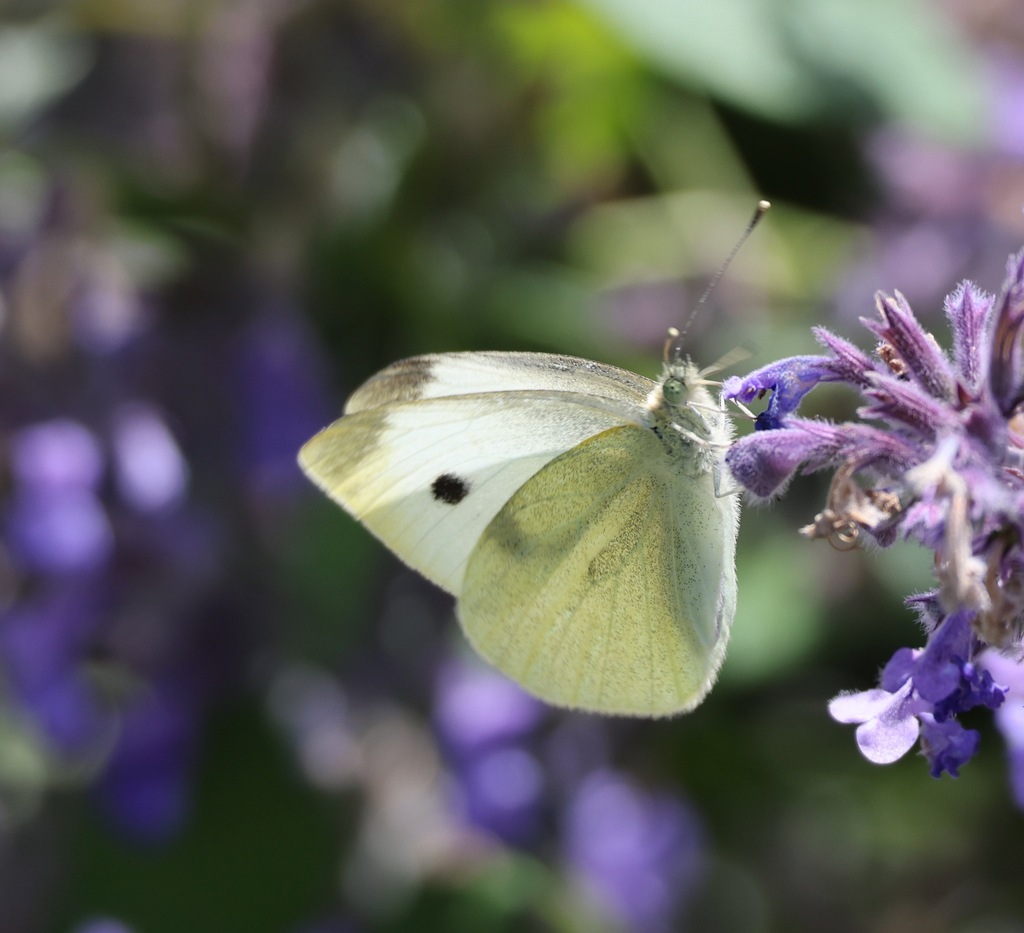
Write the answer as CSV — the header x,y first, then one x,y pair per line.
x,y
607,582
427,476
447,374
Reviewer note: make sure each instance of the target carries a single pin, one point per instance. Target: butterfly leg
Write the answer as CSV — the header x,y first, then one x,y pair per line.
x,y
747,413
702,441
721,493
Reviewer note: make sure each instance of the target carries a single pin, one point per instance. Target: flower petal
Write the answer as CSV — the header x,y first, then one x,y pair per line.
x,y
851,364
916,348
1005,371
890,736
968,310
900,669
938,668
948,745
789,380
766,460
859,707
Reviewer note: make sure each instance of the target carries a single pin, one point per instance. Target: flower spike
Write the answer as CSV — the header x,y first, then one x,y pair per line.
x,y
940,463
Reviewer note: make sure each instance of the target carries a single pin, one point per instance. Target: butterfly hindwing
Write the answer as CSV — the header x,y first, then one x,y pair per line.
x,y
607,582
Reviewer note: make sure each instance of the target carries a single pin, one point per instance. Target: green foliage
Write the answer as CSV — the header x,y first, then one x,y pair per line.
x,y
814,59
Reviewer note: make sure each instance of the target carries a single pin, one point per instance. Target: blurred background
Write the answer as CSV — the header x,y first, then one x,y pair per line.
x,y
223,706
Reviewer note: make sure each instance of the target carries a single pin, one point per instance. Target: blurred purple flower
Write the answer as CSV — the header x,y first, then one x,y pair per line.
x,y
98,537
923,176
62,531
944,211
941,463
151,472
485,722
57,525
281,400
144,788
640,853
476,708
54,520
501,791
43,647
1007,81
58,454
1010,715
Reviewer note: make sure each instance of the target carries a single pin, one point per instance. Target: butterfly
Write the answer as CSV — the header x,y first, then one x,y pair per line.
x,y
574,509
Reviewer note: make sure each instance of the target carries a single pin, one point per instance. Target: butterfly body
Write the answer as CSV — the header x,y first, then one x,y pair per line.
x,y
572,508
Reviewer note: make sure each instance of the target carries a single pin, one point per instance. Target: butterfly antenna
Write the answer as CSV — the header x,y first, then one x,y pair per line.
x,y
674,348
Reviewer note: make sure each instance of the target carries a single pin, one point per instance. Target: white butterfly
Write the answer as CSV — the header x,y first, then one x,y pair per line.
x,y
573,509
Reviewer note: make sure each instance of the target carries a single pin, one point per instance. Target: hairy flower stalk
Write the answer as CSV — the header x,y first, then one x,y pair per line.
x,y
937,457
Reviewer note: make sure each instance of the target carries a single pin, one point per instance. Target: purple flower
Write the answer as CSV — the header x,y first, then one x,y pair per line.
x,y
947,745
92,523
1008,103
501,791
63,531
54,520
1010,715
280,400
58,454
938,458
639,853
485,722
145,786
789,381
920,696
151,472
43,645
476,708
887,721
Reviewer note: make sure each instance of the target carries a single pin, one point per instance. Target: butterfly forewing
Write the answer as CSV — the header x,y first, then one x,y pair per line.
x,y
452,374
607,581
428,476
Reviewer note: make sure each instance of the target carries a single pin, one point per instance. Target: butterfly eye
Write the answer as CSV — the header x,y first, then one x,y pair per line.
x,y
674,391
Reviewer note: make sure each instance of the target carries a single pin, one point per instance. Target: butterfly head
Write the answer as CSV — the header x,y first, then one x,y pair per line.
x,y
680,380
681,397
680,386
678,383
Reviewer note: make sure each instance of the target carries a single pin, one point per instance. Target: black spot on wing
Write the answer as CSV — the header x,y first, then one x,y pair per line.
x,y
449,489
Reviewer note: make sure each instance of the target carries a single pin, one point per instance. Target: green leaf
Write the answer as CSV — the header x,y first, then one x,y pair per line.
x,y
794,60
